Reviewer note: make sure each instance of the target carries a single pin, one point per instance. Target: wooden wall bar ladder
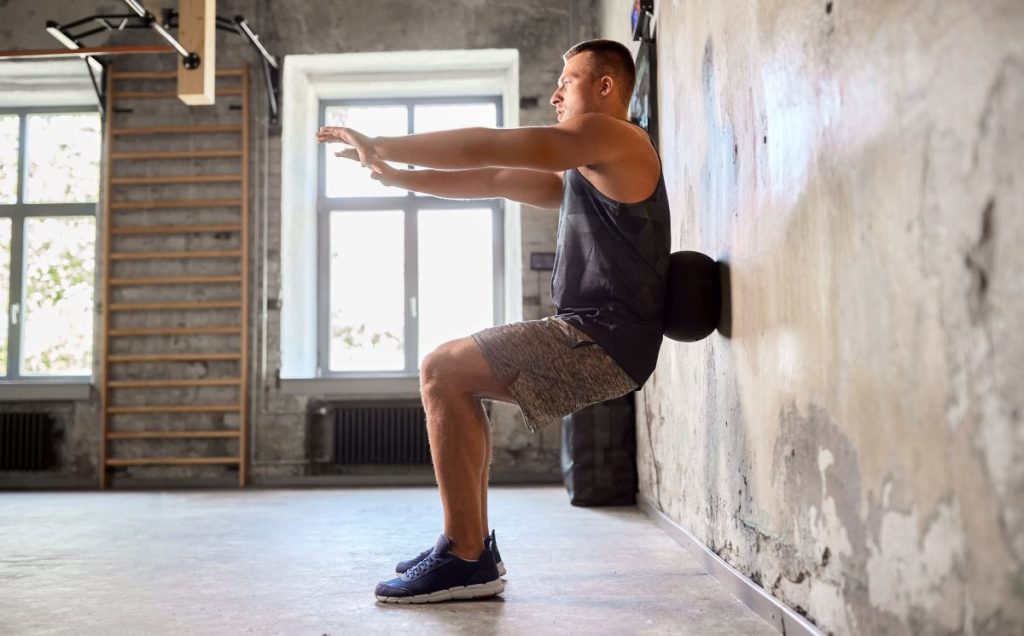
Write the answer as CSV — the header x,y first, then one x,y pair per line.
x,y
163,388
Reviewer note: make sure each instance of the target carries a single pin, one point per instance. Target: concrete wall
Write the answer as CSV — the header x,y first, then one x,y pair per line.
x,y
539,29
855,444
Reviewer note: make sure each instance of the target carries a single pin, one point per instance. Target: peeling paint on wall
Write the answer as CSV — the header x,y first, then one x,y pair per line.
x,y
854,443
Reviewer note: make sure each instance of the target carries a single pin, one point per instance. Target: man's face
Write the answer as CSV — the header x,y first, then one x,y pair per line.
x,y
578,91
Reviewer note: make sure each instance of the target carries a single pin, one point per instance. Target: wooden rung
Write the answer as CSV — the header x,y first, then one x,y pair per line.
x,y
172,357
224,92
177,203
176,229
145,256
175,408
172,435
177,130
175,280
176,154
162,384
166,75
175,461
205,178
233,304
174,331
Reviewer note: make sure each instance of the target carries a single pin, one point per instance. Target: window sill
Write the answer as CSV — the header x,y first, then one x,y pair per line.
x,y
45,390
353,388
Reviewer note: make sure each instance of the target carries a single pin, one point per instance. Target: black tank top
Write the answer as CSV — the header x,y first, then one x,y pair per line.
x,y
610,272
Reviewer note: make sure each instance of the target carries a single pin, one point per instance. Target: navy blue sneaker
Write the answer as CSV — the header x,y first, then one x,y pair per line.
x,y
442,576
490,542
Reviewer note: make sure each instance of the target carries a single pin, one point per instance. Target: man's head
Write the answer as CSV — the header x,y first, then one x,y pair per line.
x,y
598,77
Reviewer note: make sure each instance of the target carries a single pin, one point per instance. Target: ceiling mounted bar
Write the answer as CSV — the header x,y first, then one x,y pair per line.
x,y
61,36
97,85
244,29
140,18
271,69
191,60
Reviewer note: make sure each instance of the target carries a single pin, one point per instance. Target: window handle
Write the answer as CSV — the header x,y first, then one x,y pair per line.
x,y
15,312
412,306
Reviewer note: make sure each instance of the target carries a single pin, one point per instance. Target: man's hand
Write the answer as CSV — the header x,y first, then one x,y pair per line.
x,y
362,148
379,169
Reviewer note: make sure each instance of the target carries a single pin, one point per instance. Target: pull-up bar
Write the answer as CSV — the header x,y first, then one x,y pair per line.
x,y
191,58
139,17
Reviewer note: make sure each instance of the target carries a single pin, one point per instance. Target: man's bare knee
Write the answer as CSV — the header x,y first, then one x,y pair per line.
x,y
439,372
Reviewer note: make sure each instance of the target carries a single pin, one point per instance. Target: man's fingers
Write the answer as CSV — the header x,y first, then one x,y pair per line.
x,y
327,134
348,153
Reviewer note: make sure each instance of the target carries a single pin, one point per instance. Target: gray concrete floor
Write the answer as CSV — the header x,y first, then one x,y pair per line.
x,y
306,562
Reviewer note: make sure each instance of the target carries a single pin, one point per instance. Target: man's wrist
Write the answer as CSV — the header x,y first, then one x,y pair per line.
x,y
380,147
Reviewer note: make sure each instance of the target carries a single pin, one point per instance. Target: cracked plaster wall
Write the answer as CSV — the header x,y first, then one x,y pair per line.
x,y
855,446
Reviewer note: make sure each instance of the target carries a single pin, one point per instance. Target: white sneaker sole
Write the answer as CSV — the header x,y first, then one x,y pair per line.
x,y
461,592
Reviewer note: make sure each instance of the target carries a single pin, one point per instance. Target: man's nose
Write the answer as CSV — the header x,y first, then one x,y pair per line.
x,y
555,98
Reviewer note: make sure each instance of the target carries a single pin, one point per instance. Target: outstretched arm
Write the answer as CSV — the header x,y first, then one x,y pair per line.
x,y
584,140
533,187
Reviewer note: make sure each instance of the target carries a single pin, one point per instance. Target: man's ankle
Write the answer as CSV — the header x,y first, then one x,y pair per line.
x,y
467,550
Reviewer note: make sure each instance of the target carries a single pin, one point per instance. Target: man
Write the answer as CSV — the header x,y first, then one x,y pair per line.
x,y
608,284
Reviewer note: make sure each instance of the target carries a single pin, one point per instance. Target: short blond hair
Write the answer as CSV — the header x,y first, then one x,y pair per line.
x,y
608,58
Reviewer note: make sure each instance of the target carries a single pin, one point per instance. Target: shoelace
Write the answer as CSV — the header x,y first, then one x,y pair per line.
x,y
422,565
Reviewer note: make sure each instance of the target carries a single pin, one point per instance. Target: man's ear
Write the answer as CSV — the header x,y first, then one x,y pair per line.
x,y
607,85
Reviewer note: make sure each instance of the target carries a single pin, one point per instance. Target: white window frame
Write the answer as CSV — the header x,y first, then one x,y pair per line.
x,y
46,86
310,79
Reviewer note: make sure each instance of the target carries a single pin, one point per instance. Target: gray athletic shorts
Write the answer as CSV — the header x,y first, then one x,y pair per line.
x,y
558,369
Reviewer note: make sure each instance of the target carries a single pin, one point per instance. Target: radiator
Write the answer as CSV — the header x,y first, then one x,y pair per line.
x,y
26,441
380,434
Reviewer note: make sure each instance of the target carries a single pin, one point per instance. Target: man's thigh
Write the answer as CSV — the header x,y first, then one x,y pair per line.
x,y
552,369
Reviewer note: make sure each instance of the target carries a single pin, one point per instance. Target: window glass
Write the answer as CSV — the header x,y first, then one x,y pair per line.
x,y
434,117
367,291
58,296
5,288
8,158
63,157
345,177
456,275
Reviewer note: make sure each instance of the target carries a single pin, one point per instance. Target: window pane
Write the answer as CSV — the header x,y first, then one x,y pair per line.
x,y
367,290
447,116
58,315
8,159
63,155
456,275
5,288
345,177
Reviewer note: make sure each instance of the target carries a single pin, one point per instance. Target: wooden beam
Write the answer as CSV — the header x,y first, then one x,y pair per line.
x,y
175,408
175,229
162,384
177,130
172,434
96,50
171,461
175,154
197,32
172,357
176,255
